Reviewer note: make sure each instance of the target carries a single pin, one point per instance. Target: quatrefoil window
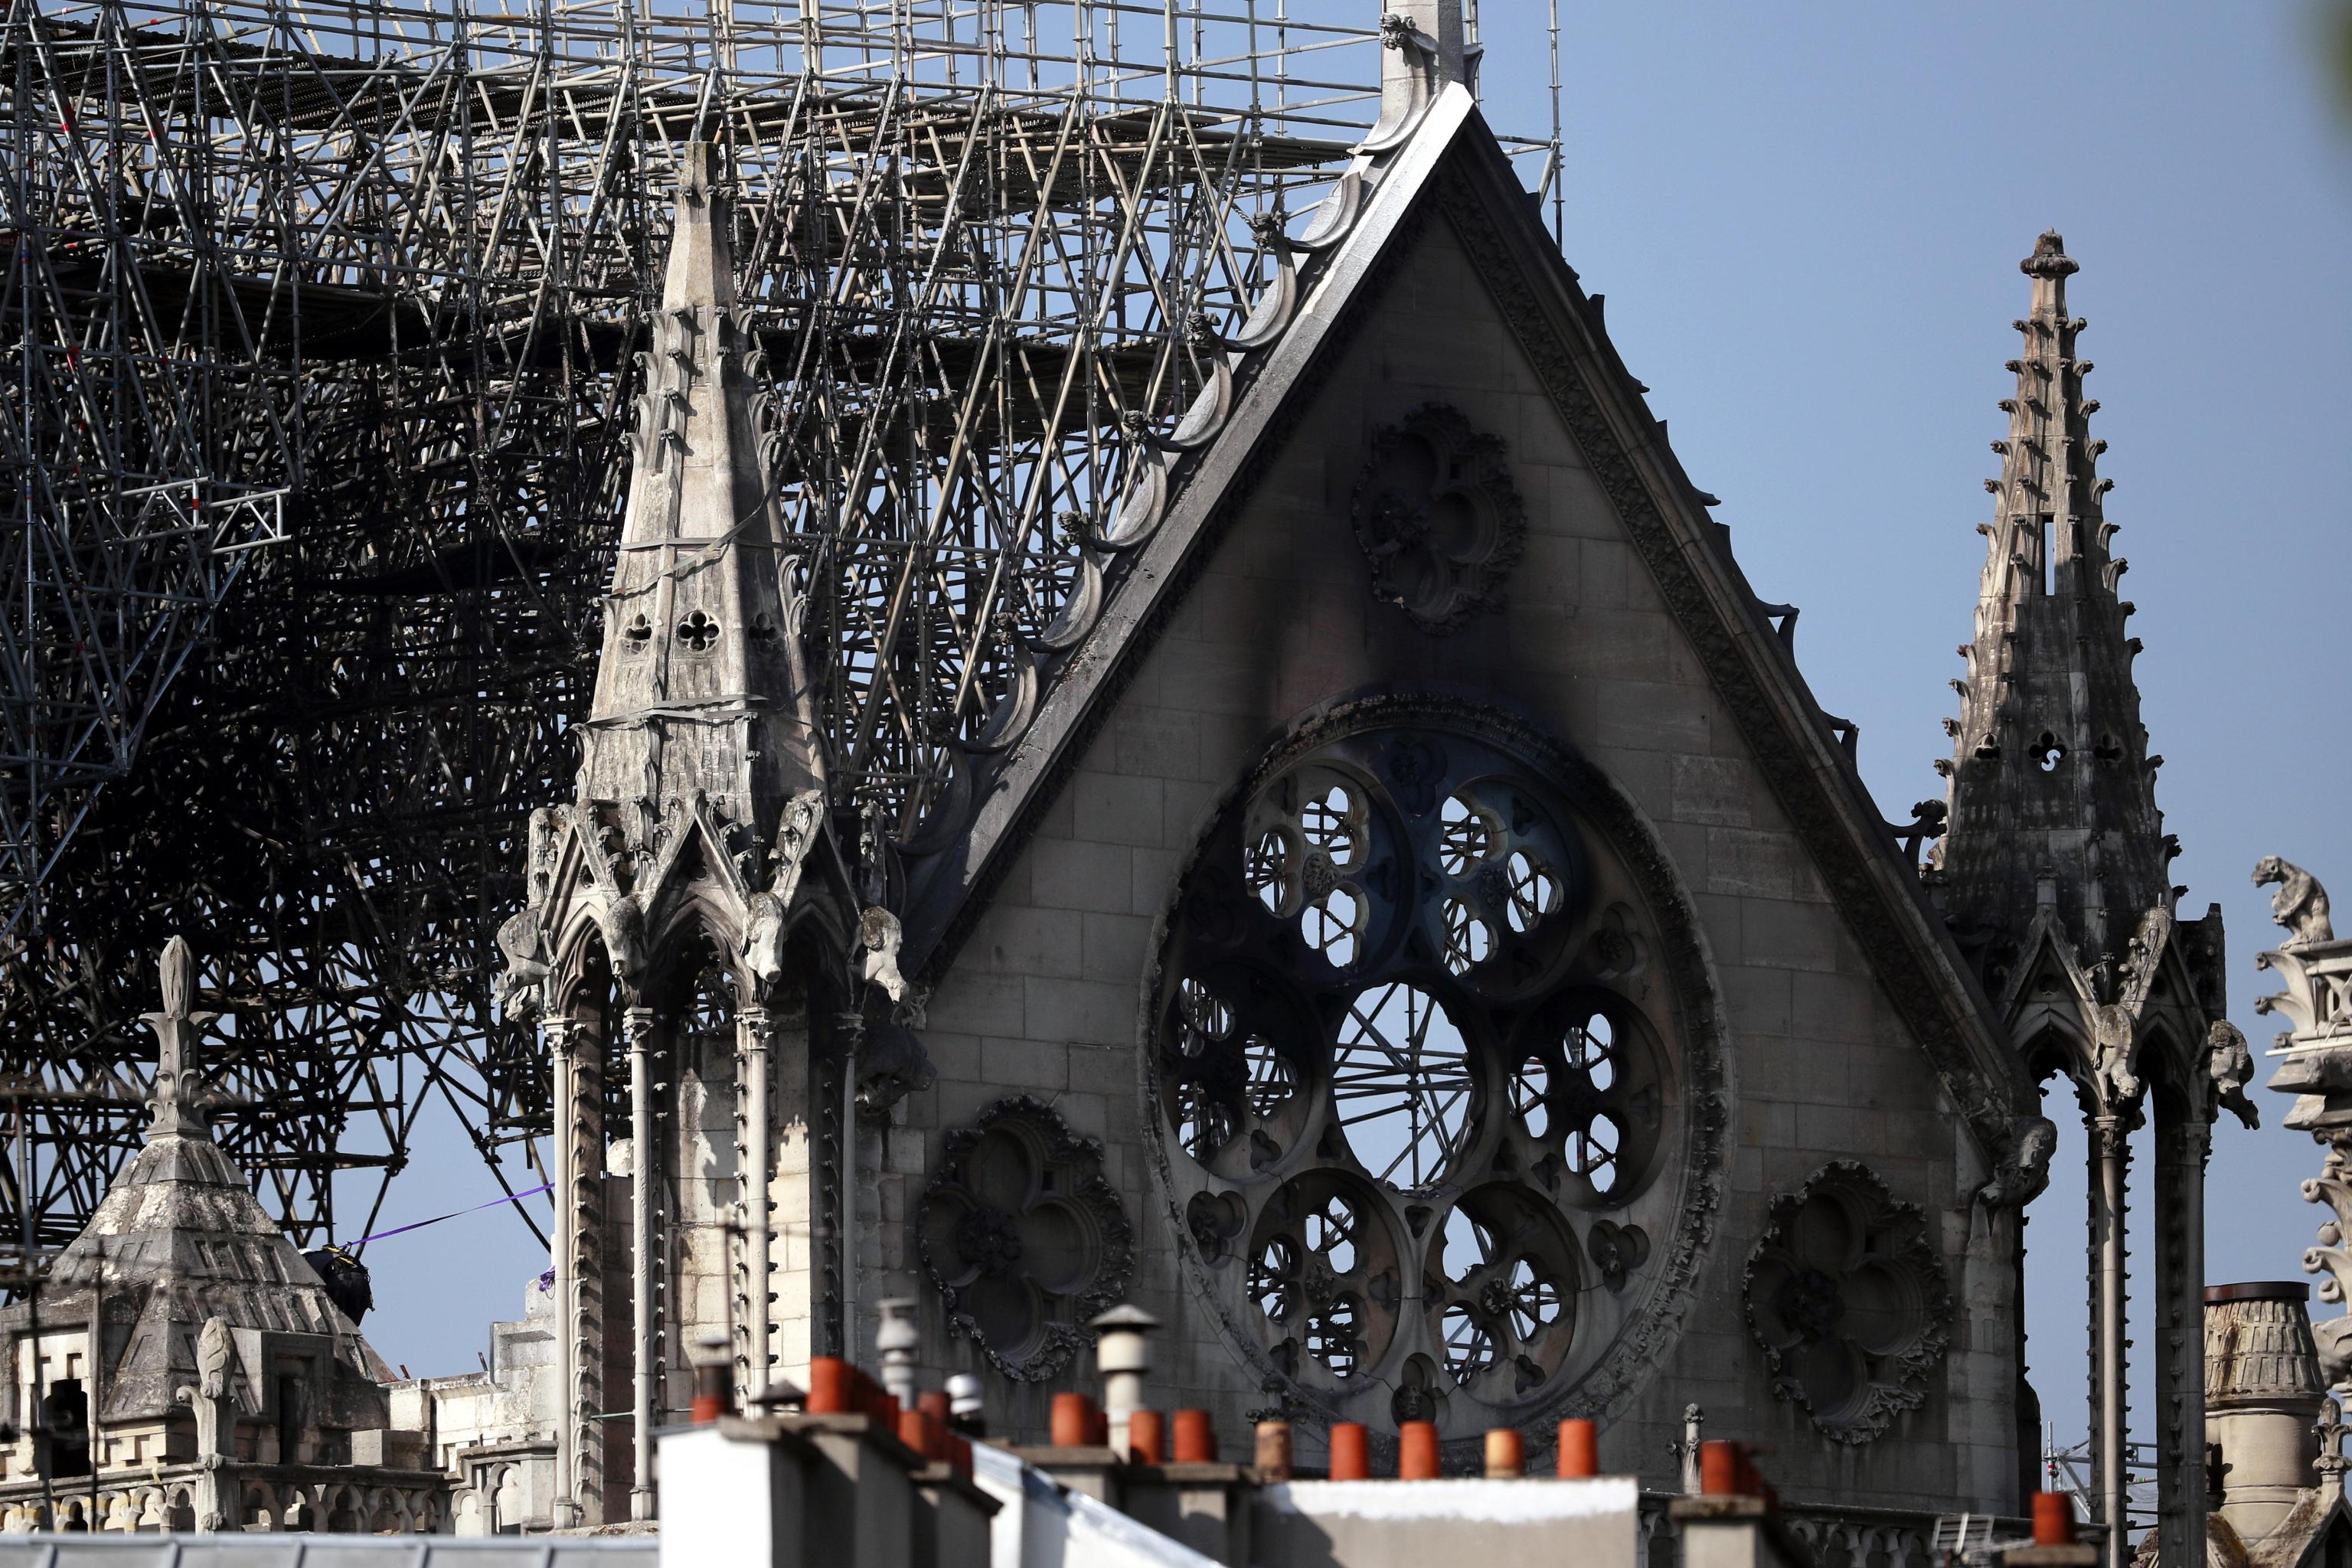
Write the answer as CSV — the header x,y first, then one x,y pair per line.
x,y
1849,1301
637,634
699,632
1024,1236
1414,1080
1437,515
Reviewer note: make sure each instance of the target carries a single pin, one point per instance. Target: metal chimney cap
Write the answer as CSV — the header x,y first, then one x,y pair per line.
x,y
2259,1291
1126,1315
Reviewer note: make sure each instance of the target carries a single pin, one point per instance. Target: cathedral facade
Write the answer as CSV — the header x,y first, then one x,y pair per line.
x,y
1410,929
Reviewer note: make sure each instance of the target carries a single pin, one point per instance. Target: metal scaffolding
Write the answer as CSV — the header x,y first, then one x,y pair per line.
x,y
321,330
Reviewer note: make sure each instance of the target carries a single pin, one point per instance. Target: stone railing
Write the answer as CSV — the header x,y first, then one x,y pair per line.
x,y
331,1499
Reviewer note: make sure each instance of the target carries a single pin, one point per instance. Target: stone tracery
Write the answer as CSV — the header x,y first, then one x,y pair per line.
x,y
1437,515
1024,1237
1412,1142
1848,1301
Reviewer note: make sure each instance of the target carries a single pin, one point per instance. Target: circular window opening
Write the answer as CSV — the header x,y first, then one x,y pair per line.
x,y
1203,1019
1468,940
1535,892
1591,1048
1319,1257
1332,823
1233,1086
1529,1085
1402,1084
1464,838
1267,870
1503,1275
1333,925
1586,1100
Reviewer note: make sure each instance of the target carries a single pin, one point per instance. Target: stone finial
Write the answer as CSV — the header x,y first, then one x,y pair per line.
x,y
178,971
2314,1056
2331,1464
2049,259
174,1108
1423,47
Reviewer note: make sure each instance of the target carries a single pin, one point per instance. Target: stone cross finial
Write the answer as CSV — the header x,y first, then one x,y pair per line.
x,y
175,1106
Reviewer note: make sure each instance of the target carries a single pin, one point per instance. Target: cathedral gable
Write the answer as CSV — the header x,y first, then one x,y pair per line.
x,y
1446,620
1451,268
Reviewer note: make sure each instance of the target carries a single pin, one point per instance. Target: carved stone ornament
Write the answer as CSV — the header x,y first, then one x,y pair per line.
x,y
1434,1065
1438,517
1024,1237
2300,905
1848,1301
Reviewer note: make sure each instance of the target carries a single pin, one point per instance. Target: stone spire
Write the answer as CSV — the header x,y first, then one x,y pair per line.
x,y
2052,791
703,684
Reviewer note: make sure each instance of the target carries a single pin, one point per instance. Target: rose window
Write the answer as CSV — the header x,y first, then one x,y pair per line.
x,y
1849,1301
1420,1059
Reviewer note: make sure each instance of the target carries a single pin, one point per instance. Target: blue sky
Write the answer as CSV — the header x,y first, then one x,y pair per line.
x,y
1808,221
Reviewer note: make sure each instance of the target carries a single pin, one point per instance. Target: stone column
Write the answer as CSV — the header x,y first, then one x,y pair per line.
x,y
2184,1140
219,1494
645,1253
576,1045
754,1042
833,1226
557,1033
2110,1169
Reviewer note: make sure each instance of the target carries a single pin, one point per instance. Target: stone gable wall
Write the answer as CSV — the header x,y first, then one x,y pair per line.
x,y
1048,994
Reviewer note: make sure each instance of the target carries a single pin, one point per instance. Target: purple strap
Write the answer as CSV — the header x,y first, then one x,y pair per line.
x,y
453,1214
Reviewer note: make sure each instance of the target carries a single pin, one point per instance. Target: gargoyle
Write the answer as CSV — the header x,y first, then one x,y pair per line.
x,y
2300,904
2118,1083
2334,1342
763,937
2230,1065
892,1066
878,936
2024,1168
624,928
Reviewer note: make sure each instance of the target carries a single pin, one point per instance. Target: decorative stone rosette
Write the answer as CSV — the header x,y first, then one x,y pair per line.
x,y
1848,1301
1024,1236
1437,515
